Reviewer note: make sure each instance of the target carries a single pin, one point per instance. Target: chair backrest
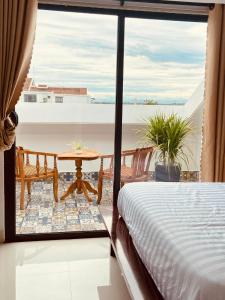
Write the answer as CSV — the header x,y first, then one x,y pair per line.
x,y
140,161
23,161
143,158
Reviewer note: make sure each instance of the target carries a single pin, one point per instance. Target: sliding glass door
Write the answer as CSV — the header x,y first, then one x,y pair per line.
x,y
163,99
66,109
97,80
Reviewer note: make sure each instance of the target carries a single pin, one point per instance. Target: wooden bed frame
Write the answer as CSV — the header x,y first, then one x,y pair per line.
x,y
138,280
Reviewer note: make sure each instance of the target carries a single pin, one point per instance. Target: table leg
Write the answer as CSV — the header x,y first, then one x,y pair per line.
x,y
90,188
81,186
86,192
70,190
79,175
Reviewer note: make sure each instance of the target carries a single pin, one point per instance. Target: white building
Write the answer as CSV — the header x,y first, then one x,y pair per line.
x,y
43,93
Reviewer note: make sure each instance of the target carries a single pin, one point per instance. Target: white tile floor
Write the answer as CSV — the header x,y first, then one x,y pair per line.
x,y
60,270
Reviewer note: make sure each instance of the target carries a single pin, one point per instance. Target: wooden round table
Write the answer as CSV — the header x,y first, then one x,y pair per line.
x,y
79,185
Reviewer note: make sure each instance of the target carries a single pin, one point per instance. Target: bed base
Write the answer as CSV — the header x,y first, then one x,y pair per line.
x,y
138,280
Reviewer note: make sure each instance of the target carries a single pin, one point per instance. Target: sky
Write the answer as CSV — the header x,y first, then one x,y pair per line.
x,y
164,60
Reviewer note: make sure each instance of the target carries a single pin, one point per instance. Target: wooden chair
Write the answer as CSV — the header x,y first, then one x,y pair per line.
x,y
133,171
26,172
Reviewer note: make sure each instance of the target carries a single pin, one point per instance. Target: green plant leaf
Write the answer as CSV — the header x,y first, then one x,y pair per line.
x,y
167,135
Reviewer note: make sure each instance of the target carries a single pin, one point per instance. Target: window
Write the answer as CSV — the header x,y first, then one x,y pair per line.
x,y
30,98
58,99
45,100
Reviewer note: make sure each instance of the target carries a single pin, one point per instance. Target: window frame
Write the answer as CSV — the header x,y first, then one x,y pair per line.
x,y
57,99
32,96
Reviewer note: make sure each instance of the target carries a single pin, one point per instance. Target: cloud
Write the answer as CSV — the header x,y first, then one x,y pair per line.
x,y
163,59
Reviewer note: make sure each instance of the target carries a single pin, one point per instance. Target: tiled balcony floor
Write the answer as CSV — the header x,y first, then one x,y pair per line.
x,y
42,214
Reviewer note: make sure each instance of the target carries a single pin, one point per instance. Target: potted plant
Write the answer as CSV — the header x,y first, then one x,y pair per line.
x,y
167,134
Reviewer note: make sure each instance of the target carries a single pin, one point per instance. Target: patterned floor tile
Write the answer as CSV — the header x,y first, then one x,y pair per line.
x,y
42,214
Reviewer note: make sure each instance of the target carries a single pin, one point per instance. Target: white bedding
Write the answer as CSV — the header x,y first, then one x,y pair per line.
x,y
178,230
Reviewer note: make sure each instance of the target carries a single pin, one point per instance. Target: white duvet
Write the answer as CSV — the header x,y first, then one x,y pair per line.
x,y
178,230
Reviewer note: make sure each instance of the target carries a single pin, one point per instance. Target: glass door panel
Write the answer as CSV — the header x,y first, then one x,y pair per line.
x,y
163,94
66,108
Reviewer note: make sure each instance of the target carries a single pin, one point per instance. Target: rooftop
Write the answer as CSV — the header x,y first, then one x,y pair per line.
x,y
31,86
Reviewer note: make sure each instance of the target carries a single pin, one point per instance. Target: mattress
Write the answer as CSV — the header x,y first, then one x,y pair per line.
x,y
178,230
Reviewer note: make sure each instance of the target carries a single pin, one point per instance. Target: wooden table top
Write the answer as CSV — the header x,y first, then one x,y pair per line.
x,y
79,154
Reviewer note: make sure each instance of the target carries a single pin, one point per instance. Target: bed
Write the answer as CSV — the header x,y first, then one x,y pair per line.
x,y
178,232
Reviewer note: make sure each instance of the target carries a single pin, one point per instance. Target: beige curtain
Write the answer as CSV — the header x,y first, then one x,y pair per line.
x,y
213,144
17,30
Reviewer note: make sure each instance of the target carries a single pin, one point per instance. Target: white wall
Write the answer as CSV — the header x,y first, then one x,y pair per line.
x,y
76,113
55,138
51,127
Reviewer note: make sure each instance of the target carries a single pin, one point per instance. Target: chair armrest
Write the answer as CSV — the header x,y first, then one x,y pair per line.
x,y
106,156
22,153
26,151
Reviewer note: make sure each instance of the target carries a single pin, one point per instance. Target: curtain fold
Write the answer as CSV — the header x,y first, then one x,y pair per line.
x,y
17,31
213,143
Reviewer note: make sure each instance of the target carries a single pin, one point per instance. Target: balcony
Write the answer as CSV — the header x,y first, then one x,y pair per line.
x,y
53,132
